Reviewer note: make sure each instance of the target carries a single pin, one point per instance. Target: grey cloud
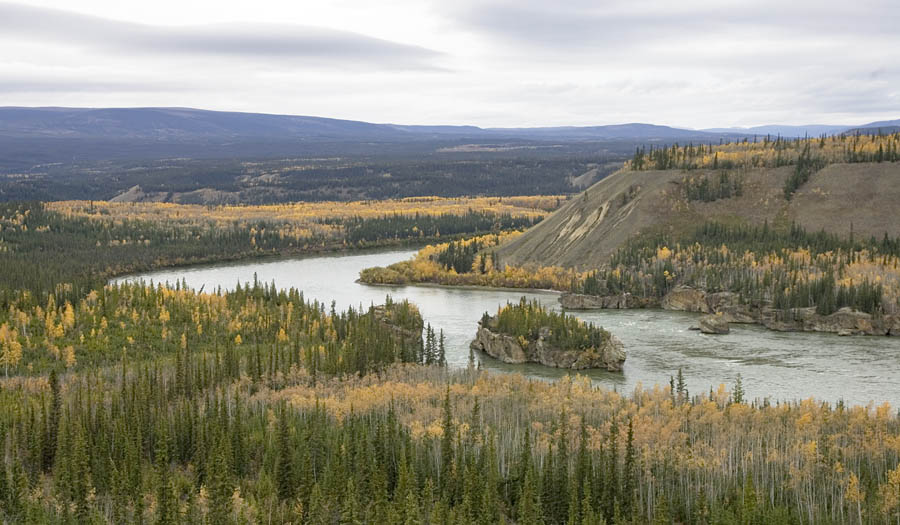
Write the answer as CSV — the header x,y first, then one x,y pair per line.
x,y
62,85
258,42
587,24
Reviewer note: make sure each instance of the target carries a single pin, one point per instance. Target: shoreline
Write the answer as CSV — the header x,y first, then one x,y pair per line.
x,y
797,327
466,287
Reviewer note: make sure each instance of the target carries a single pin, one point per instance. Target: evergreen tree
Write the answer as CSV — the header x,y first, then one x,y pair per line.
x,y
284,468
221,488
165,498
80,469
446,475
612,473
350,510
50,440
529,511
319,513
738,395
629,471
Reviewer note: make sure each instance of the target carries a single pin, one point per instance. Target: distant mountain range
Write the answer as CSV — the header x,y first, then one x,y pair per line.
x,y
194,124
172,124
812,130
30,136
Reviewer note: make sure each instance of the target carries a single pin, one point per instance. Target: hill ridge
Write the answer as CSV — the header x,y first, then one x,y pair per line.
x,y
862,198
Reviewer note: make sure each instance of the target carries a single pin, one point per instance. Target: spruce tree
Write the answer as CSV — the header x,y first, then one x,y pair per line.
x,y
738,395
612,474
629,474
350,510
220,486
446,481
442,354
284,463
529,511
80,468
165,498
319,513
50,440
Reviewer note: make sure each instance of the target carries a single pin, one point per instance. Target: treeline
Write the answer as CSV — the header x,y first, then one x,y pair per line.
x,y
460,256
786,268
527,319
471,262
361,231
45,252
194,443
271,330
809,154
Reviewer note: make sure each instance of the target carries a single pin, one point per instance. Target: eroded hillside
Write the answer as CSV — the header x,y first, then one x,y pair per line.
x,y
864,197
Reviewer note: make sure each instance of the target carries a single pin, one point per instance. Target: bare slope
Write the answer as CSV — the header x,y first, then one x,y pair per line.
x,y
590,227
866,196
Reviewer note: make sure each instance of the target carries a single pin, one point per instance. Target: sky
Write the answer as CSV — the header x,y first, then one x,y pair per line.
x,y
490,63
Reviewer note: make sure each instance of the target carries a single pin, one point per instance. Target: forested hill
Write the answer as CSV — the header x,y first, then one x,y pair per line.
x,y
195,156
195,124
842,185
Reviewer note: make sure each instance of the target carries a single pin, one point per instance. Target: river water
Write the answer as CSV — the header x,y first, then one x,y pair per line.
x,y
780,366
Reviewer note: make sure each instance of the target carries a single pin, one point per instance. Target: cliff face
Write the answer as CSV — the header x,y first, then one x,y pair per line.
x,y
575,301
728,309
509,349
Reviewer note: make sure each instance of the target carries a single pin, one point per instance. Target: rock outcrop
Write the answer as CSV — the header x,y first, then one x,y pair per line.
x,y
844,322
893,324
714,324
728,309
411,333
686,299
575,301
510,349
729,305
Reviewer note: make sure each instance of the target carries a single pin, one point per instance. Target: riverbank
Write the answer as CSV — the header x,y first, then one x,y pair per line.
x,y
465,287
779,365
844,321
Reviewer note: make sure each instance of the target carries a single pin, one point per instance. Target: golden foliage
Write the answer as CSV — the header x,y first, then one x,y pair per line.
x,y
770,152
304,216
424,268
709,440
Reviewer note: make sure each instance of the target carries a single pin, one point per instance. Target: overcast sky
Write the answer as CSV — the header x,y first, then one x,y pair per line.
x,y
684,63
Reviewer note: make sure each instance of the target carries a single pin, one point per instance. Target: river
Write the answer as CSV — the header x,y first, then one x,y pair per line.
x,y
780,366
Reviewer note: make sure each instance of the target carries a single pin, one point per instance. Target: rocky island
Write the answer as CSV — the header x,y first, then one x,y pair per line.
x,y
402,319
528,333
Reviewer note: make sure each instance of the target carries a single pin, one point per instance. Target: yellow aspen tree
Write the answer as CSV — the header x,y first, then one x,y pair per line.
x,y
69,356
854,494
11,348
890,494
68,316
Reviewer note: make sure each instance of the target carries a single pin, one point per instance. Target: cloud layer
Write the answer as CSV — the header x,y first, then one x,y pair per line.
x,y
271,42
692,63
